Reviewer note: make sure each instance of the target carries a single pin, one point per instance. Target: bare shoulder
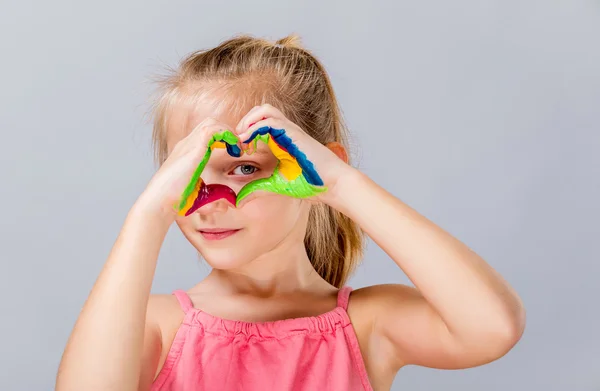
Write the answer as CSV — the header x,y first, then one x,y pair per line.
x,y
383,293
368,302
364,309
163,319
161,306
164,312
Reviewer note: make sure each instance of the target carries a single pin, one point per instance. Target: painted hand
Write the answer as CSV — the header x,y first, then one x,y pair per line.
x,y
294,176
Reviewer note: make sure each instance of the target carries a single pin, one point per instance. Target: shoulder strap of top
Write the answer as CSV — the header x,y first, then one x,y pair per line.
x,y
343,297
186,303
184,300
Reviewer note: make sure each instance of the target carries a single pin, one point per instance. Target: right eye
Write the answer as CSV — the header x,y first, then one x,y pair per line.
x,y
244,169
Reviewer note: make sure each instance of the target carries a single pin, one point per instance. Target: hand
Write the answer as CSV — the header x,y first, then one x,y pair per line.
x,y
164,192
322,168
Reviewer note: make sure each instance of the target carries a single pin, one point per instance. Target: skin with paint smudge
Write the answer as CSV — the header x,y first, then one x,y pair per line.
x,y
263,222
294,176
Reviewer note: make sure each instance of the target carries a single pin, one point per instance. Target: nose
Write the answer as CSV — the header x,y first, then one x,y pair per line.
x,y
218,206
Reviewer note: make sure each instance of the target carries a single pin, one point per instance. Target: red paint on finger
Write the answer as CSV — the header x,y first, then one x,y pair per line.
x,y
263,118
211,193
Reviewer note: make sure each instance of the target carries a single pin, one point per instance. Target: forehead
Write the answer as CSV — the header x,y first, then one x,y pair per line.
x,y
185,115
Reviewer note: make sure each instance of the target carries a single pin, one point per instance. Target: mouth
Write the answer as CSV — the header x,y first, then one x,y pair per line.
x,y
217,233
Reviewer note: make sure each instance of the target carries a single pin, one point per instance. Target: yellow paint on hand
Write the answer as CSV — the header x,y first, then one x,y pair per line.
x,y
288,166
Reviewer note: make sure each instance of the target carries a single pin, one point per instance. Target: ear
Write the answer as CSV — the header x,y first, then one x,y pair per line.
x,y
339,150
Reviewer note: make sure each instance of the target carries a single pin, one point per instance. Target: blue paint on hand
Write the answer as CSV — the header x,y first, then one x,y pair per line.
x,y
308,169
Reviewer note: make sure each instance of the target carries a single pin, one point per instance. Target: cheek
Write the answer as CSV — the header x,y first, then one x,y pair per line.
x,y
272,212
184,222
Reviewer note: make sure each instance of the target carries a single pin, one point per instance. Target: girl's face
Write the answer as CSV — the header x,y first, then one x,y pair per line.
x,y
260,225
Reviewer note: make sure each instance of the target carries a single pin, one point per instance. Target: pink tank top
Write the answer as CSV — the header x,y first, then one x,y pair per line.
x,y
311,353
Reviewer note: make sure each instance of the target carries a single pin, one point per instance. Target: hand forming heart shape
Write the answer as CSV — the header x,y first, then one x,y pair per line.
x,y
294,176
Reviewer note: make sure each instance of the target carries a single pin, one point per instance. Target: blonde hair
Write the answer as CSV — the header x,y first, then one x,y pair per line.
x,y
249,71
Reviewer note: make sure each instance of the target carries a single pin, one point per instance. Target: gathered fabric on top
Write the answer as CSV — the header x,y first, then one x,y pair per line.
x,y
310,353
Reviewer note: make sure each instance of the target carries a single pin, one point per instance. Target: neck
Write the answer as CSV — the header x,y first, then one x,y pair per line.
x,y
285,269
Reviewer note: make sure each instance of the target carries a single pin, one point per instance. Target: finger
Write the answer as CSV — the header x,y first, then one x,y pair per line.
x,y
184,143
243,120
200,151
203,136
258,113
260,127
250,197
208,121
199,146
191,140
250,148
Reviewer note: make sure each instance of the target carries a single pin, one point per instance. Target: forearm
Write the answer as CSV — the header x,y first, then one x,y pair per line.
x,y
104,350
468,294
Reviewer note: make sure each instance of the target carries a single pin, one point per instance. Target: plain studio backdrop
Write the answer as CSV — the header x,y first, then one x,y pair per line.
x,y
482,115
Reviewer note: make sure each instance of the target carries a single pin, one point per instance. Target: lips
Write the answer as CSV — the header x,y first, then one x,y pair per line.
x,y
217,233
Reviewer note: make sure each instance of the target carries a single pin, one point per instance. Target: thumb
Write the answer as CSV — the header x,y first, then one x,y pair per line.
x,y
253,190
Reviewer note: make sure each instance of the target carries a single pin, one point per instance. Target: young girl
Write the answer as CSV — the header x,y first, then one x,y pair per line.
x,y
274,313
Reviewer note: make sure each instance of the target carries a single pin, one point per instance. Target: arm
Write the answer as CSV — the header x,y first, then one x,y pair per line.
x,y
461,314
111,345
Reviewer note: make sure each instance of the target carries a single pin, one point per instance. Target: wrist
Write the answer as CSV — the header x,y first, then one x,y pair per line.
x,y
348,180
146,209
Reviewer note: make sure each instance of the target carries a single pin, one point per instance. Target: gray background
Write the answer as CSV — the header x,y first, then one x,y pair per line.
x,y
483,115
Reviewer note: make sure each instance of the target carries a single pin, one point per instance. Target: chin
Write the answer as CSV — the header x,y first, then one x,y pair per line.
x,y
225,258
222,254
